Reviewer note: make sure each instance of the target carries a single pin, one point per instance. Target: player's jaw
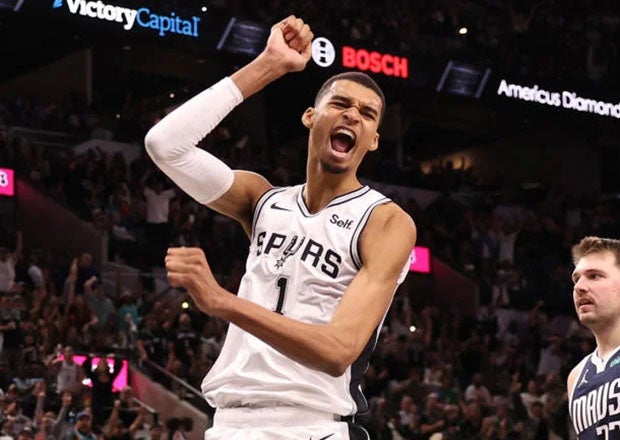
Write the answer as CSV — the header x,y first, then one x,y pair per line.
x,y
595,314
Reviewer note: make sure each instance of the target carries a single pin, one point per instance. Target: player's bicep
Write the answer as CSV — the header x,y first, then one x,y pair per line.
x,y
240,199
572,379
386,246
387,241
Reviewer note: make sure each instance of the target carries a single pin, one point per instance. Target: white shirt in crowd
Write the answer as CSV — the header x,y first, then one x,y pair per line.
x,y
158,205
7,274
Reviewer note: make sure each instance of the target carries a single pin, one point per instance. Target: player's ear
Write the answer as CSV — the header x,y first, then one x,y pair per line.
x,y
307,118
374,144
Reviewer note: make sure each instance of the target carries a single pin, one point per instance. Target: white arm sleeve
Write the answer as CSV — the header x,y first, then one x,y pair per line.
x,y
171,143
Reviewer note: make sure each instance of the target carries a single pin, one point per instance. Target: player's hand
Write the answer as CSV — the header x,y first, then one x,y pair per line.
x,y
187,267
290,44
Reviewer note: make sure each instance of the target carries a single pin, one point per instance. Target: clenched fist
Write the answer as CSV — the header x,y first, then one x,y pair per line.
x,y
290,44
188,268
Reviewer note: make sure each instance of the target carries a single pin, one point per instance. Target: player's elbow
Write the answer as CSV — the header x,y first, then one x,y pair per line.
x,y
153,142
158,146
336,368
340,360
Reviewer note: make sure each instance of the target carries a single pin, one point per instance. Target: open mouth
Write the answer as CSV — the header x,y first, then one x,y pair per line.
x,y
342,140
584,302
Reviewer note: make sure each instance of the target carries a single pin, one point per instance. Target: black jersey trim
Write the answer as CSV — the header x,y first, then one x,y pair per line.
x,y
358,368
339,200
357,432
261,202
354,246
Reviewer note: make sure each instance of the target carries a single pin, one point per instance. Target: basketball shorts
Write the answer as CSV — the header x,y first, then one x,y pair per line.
x,y
281,423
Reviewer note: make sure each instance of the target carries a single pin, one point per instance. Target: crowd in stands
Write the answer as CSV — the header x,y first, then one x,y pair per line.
x,y
494,375
437,373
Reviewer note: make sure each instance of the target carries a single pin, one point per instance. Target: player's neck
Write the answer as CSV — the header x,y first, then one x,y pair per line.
x,y
607,340
322,188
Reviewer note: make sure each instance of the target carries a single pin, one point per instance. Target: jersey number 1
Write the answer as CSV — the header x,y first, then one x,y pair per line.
x,y
281,286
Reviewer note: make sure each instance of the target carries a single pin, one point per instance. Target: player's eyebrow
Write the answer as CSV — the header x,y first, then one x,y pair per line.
x,y
366,108
577,274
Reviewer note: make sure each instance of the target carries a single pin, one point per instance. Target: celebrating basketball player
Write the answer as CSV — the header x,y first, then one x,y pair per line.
x,y
325,257
594,384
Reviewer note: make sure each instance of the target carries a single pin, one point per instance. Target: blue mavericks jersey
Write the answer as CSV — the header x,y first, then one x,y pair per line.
x,y
595,402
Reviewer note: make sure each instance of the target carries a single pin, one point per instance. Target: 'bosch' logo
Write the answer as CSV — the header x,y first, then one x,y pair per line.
x,y
376,62
323,52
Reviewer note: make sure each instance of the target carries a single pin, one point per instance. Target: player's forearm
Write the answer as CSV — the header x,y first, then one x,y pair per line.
x,y
318,346
256,75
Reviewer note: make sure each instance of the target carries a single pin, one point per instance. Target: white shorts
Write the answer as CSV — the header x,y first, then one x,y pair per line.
x,y
280,423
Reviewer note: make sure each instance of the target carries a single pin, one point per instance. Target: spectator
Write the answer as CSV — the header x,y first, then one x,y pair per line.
x,y
45,426
531,395
471,427
478,392
128,318
64,426
156,432
500,424
157,212
69,374
86,271
8,260
102,379
99,304
83,429
409,417
117,429
432,416
128,407
536,427
12,336
186,341
151,341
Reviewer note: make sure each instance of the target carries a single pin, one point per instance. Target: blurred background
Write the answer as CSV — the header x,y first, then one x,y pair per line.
x,y
501,139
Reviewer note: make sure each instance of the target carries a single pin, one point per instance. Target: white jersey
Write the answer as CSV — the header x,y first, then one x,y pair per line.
x,y
67,378
299,264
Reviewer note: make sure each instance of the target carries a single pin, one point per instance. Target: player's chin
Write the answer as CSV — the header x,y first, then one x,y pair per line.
x,y
333,168
587,319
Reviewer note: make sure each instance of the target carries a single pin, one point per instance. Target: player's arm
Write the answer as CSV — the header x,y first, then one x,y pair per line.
x,y
572,378
172,142
386,245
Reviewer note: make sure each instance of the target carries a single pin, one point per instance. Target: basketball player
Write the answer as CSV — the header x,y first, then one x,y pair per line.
x,y
324,260
594,384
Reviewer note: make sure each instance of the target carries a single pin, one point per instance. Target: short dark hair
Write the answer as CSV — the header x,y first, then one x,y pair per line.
x,y
590,245
357,77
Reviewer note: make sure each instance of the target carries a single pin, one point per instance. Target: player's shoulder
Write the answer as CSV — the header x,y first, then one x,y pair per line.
x,y
574,372
390,227
391,216
574,375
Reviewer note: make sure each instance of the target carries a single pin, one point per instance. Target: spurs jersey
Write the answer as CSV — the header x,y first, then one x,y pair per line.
x,y
299,265
595,402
